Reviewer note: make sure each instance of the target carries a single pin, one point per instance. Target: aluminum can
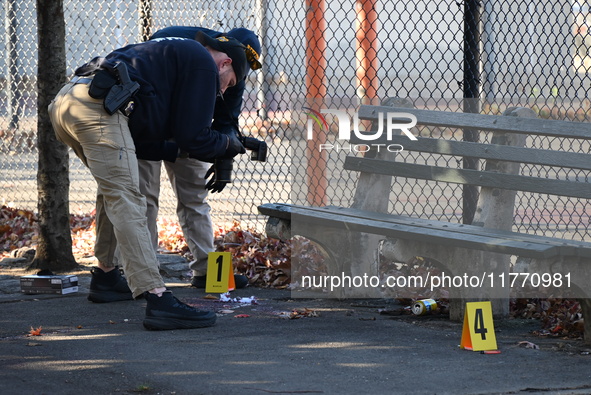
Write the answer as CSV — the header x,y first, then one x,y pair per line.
x,y
424,306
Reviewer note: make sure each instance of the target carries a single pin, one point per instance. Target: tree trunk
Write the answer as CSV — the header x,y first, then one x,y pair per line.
x,y
54,248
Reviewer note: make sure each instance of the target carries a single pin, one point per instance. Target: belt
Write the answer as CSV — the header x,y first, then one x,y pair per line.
x,y
125,110
80,80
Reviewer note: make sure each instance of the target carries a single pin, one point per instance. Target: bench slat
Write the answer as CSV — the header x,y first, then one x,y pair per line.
x,y
500,123
277,210
567,246
470,177
486,151
456,235
283,210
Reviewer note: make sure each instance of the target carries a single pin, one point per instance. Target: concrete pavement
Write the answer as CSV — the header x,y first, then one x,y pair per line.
x,y
336,347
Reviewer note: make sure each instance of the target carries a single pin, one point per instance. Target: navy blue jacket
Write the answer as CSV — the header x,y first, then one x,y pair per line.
x,y
227,108
174,107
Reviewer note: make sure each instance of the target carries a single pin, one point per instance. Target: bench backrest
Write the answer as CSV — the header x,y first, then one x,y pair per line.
x,y
571,180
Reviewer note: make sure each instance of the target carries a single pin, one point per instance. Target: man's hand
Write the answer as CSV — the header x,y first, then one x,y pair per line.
x,y
221,175
234,147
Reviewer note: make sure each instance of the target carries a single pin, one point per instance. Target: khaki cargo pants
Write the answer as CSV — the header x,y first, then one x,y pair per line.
x,y
103,142
187,177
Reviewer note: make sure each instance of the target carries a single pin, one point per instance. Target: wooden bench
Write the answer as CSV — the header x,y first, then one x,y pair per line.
x,y
482,249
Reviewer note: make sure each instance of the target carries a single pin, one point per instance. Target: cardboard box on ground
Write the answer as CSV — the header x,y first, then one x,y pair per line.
x,y
37,284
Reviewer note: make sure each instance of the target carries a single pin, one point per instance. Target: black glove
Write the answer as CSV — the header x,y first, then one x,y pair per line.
x,y
221,174
234,148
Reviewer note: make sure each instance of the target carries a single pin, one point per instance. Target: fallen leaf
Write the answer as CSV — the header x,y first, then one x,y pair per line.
x,y
305,313
298,313
208,296
35,332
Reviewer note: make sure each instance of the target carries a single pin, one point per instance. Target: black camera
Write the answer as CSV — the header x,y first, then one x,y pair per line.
x,y
258,148
222,168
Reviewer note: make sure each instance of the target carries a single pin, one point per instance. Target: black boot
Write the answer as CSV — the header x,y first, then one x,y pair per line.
x,y
167,312
108,287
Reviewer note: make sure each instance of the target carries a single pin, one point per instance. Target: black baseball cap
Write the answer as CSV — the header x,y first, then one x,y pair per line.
x,y
231,47
252,44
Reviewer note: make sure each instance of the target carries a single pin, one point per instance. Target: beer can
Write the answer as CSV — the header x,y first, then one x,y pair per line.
x,y
424,306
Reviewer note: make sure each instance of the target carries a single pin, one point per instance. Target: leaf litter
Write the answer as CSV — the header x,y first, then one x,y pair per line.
x,y
267,263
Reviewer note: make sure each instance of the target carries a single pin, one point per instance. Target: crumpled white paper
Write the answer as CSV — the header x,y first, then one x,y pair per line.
x,y
226,298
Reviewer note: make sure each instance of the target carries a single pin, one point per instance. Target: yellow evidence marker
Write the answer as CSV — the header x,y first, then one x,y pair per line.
x,y
478,332
220,273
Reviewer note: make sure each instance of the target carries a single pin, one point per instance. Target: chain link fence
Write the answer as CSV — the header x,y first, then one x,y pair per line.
x,y
331,54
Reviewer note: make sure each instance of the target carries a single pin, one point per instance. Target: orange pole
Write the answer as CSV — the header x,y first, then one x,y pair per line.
x,y
316,87
367,51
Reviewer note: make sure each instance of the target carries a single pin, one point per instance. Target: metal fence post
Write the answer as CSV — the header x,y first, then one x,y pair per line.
x,y
316,93
263,87
367,51
12,91
471,88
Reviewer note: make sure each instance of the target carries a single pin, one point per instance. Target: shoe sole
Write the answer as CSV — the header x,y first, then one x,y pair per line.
x,y
108,297
163,324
